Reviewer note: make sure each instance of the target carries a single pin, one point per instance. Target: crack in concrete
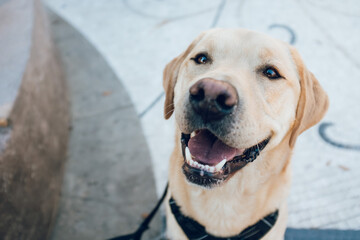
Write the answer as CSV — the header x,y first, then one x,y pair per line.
x,y
84,117
145,15
218,13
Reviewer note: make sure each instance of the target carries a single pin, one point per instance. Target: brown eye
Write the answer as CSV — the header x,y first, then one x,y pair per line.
x,y
271,73
200,59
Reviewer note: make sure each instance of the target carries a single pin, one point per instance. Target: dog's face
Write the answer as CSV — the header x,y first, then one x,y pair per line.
x,y
236,93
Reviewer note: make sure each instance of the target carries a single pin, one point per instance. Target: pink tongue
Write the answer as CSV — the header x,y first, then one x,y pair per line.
x,y
208,149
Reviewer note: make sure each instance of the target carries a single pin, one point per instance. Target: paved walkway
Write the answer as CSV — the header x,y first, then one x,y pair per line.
x,y
137,38
109,183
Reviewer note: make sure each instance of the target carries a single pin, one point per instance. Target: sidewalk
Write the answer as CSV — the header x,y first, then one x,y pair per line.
x,y
108,184
138,38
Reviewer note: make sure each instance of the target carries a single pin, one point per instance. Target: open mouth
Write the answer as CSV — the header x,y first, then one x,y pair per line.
x,y
208,161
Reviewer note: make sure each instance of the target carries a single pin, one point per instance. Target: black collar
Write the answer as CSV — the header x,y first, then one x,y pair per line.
x,y
195,231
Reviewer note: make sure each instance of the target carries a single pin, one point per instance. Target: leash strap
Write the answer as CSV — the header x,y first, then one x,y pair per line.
x,y
195,231
145,224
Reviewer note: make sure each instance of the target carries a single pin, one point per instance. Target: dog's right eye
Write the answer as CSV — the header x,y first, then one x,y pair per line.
x,y
201,58
271,73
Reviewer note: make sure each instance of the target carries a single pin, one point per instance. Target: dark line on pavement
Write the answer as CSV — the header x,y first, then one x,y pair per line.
x,y
323,135
218,13
288,29
96,114
145,15
152,104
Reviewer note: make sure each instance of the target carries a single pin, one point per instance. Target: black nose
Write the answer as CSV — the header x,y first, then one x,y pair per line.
x,y
213,99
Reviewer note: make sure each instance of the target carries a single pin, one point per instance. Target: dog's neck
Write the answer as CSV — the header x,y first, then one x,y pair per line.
x,y
230,208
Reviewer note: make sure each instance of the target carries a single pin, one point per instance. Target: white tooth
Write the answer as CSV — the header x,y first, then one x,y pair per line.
x,y
219,166
201,173
187,153
212,169
192,134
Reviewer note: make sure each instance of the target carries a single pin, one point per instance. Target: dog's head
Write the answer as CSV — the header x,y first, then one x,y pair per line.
x,y
236,93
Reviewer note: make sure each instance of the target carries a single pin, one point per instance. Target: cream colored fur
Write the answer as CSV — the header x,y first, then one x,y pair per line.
x,y
280,108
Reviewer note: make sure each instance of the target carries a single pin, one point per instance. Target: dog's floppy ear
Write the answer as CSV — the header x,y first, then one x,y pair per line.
x,y
170,76
313,102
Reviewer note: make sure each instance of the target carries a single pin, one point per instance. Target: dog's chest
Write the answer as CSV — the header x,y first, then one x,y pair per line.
x,y
221,213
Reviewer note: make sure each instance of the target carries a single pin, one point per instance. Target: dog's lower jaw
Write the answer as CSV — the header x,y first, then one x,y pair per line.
x,y
253,192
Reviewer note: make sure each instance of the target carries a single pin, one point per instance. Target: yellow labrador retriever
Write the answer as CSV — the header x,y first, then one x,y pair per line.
x,y
240,100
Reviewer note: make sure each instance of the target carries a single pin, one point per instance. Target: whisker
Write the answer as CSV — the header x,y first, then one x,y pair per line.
x,y
169,105
169,112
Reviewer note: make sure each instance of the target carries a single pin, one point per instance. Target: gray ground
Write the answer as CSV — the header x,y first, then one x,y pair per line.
x,y
109,182
137,39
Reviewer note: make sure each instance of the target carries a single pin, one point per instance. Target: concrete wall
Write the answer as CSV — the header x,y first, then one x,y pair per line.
x,y
34,129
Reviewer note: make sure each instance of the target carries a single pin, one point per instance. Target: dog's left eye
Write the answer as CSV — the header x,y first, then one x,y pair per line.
x,y
271,73
201,58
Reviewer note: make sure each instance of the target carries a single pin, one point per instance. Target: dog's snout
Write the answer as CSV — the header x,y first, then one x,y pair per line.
x,y
213,99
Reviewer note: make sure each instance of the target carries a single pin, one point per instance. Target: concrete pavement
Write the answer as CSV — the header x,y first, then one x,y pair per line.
x,y
137,39
109,184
